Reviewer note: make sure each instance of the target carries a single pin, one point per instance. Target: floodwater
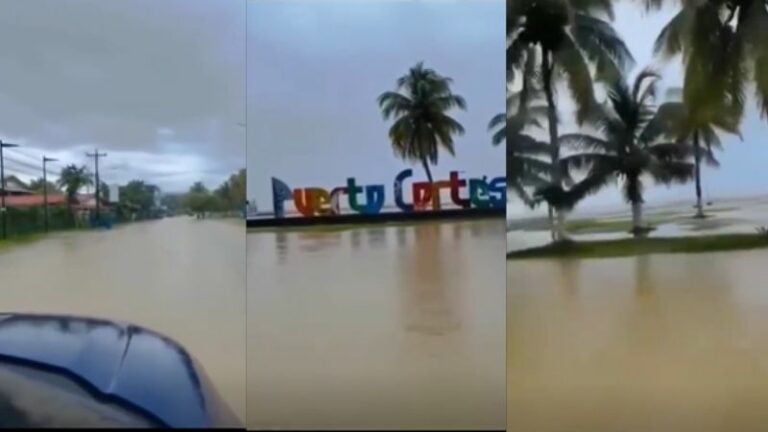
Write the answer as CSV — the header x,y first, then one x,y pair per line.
x,y
657,343
181,277
390,327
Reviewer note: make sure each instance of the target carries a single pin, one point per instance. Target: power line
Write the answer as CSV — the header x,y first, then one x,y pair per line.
x,y
96,155
25,164
19,152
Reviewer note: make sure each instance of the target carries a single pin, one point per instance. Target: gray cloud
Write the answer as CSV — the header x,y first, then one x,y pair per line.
x,y
164,78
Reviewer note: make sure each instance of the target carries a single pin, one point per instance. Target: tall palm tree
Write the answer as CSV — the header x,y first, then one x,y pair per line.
x,y
419,106
524,166
629,145
563,38
71,180
698,126
724,47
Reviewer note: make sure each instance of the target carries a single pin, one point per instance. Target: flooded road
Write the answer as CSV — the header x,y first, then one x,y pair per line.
x,y
182,277
650,343
382,327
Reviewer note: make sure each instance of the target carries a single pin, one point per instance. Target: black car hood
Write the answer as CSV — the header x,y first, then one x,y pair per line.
x,y
120,361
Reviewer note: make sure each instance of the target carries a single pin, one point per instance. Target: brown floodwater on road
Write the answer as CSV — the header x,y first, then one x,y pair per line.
x,y
182,277
657,343
377,327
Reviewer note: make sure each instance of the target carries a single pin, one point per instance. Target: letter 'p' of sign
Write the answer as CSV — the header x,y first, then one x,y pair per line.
x,y
370,199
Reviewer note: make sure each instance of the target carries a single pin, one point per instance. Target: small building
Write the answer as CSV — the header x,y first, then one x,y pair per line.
x,y
14,187
35,200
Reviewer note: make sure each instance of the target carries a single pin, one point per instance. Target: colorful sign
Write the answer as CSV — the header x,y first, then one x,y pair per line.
x,y
370,199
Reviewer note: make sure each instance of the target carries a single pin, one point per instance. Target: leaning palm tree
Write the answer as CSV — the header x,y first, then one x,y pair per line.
x,y
419,106
71,180
724,47
629,146
563,38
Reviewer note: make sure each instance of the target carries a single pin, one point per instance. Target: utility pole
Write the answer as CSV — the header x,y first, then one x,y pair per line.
x,y
3,210
45,188
96,155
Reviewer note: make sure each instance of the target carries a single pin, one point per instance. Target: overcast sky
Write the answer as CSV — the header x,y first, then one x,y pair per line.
x,y
742,171
316,67
157,84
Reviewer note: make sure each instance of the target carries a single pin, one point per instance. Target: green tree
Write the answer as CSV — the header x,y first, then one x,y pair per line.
x,y
71,179
562,38
231,193
419,107
237,188
139,196
36,186
200,200
628,146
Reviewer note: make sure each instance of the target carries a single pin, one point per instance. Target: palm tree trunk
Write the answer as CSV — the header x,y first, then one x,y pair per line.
x,y
552,231
637,218
436,198
558,228
697,170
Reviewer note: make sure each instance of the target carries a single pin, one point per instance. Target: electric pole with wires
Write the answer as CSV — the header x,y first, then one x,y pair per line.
x,y
45,188
96,155
3,191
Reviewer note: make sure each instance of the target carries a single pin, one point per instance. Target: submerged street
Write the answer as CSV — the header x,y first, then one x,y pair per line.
x,y
182,277
385,327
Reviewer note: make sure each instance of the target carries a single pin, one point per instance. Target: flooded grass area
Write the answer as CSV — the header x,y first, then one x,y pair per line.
x,y
181,277
640,246
676,220
382,327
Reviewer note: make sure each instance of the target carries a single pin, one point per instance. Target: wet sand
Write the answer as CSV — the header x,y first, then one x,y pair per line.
x,y
381,327
651,343
182,277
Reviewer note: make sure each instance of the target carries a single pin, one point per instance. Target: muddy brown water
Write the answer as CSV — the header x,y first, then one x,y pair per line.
x,y
182,277
673,342
382,327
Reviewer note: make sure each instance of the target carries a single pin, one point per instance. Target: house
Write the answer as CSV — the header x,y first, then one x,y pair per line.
x,y
14,187
35,200
87,202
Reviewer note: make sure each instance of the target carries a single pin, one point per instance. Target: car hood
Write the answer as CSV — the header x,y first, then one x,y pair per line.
x,y
118,361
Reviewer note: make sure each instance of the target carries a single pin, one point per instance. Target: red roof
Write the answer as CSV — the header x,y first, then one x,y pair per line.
x,y
34,200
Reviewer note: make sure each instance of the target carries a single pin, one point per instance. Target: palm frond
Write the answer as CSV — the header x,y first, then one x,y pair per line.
x,y
602,46
573,66
578,141
672,39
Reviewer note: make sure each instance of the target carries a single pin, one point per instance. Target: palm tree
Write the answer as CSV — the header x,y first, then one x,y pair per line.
x,y
698,127
629,145
564,37
524,167
724,47
71,180
419,106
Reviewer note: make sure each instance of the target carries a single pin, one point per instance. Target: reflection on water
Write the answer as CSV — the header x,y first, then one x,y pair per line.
x,y
181,277
650,343
383,327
